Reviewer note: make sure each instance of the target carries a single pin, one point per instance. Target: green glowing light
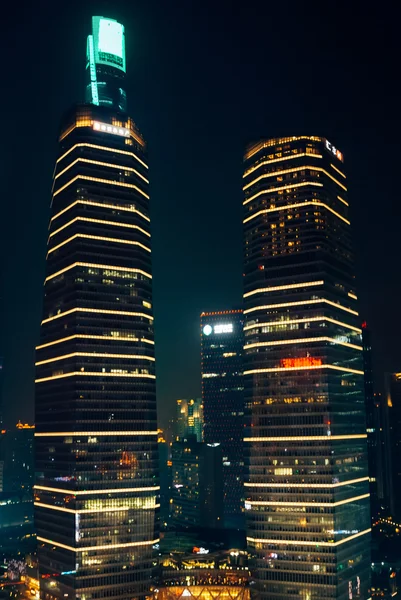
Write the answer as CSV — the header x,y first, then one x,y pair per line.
x,y
109,42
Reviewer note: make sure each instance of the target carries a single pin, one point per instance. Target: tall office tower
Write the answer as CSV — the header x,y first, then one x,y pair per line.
x,y
223,402
306,485
189,420
392,429
373,425
96,432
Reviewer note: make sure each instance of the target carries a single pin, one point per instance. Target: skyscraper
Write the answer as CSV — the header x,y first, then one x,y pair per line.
x,y
223,402
392,428
96,434
306,487
189,419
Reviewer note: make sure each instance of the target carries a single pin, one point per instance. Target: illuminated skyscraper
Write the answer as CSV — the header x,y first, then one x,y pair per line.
x,y
189,419
96,434
223,402
306,484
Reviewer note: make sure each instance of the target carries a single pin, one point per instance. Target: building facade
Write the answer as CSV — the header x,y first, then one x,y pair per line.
x,y
223,402
306,485
96,492
189,419
392,429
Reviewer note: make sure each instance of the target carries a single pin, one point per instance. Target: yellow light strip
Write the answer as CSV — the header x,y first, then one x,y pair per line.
x,y
297,205
293,170
100,180
104,547
283,158
111,338
101,205
302,341
342,200
308,504
351,295
153,488
101,164
276,369
309,485
96,266
306,320
95,355
338,171
98,311
300,303
278,141
289,187
290,286
95,374
98,237
300,438
91,433
84,511
102,222
107,148
307,542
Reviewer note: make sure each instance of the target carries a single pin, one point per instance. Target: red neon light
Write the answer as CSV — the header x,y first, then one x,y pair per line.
x,y
307,361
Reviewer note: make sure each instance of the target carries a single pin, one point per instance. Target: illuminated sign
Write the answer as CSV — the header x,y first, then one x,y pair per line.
x,y
334,151
224,328
108,42
207,330
107,128
307,361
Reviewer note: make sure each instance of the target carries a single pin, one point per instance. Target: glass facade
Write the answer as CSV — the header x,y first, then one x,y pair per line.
x,y
96,492
223,402
306,484
189,419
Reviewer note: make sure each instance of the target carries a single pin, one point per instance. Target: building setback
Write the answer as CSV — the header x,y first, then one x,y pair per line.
x,y
96,492
223,402
306,484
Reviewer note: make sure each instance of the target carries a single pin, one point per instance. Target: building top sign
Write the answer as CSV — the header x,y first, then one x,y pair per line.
x,y
107,128
220,328
334,151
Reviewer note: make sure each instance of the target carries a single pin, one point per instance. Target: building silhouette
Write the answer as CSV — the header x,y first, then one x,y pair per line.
x,y
96,491
306,484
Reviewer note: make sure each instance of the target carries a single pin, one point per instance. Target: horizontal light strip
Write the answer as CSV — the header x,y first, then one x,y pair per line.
x,y
290,286
283,158
300,303
102,222
300,438
298,205
307,542
111,338
274,369
104,547
95,374
306,320
342,200
98,311
295,341
153,488
84,511
351,295
308,504
100,180
101,164
96,266
293,170
90,433
289,187
338,171
98,237
101,205
309,485
107,148
95,355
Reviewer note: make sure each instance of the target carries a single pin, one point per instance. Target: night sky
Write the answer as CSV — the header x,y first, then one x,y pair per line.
x,y
205,78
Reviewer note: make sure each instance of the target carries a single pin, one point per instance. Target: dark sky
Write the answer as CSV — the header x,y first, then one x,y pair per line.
x,y
204,79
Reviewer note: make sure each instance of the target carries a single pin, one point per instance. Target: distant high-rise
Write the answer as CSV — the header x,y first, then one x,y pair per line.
x,y
392,428
189,419
96,433
223,402
306,485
